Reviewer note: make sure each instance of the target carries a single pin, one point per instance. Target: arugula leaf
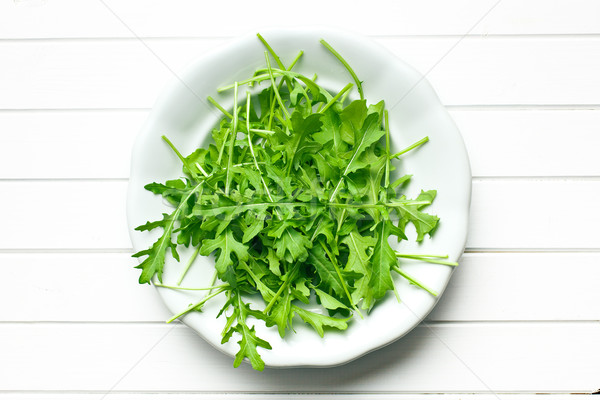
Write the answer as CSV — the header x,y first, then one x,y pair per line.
x,y
326,270
384,259
319,322
154,263
249,342
359,260
292,246
225,245
328,301
423,222
281,313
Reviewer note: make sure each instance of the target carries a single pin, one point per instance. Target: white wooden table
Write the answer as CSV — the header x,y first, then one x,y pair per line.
x,y
521,315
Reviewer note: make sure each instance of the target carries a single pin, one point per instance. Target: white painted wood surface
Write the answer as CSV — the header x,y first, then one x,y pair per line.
x,y
382,17
480,70
492,286
434,358
521,313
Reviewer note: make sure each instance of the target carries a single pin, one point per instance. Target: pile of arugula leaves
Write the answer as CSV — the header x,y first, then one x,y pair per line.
x,y
295,200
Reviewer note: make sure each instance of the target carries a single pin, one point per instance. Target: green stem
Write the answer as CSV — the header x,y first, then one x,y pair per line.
x,y
252,148
412,146
274,86
295,60
336,97
245,164
369,205
189,264
271,112
387,149
276,58
347,66
254,79
212,282
232,140
224,111
422,255
396,292
270,50
339,274
195,305
291,276
181,158
240,207
344,97
263,131
414,281
201,170
223,146
429,260
186,288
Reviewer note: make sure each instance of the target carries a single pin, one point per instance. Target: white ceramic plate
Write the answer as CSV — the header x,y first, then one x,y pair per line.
x,y
183,114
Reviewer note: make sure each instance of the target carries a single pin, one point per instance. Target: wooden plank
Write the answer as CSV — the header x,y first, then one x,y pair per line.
x,y
534,213
471,357
505,214
97,144
485,287
271,396
76,287
64,215
72,18
125,74
522,286
531,142
68,144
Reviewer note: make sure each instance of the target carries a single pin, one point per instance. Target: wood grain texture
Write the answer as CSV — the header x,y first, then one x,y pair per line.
x,y
130,74
103,287
437,358
41,19
97,143
505,214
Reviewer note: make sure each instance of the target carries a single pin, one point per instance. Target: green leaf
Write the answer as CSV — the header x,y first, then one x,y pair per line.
x,y
225,245
292,245
281,314
198,157
328,301
359,261
370,133
249,341
250,231
383,260
172,191
401,181
150,225
155,261
423,222
330,131
353,118
273,261
318,321
326,270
